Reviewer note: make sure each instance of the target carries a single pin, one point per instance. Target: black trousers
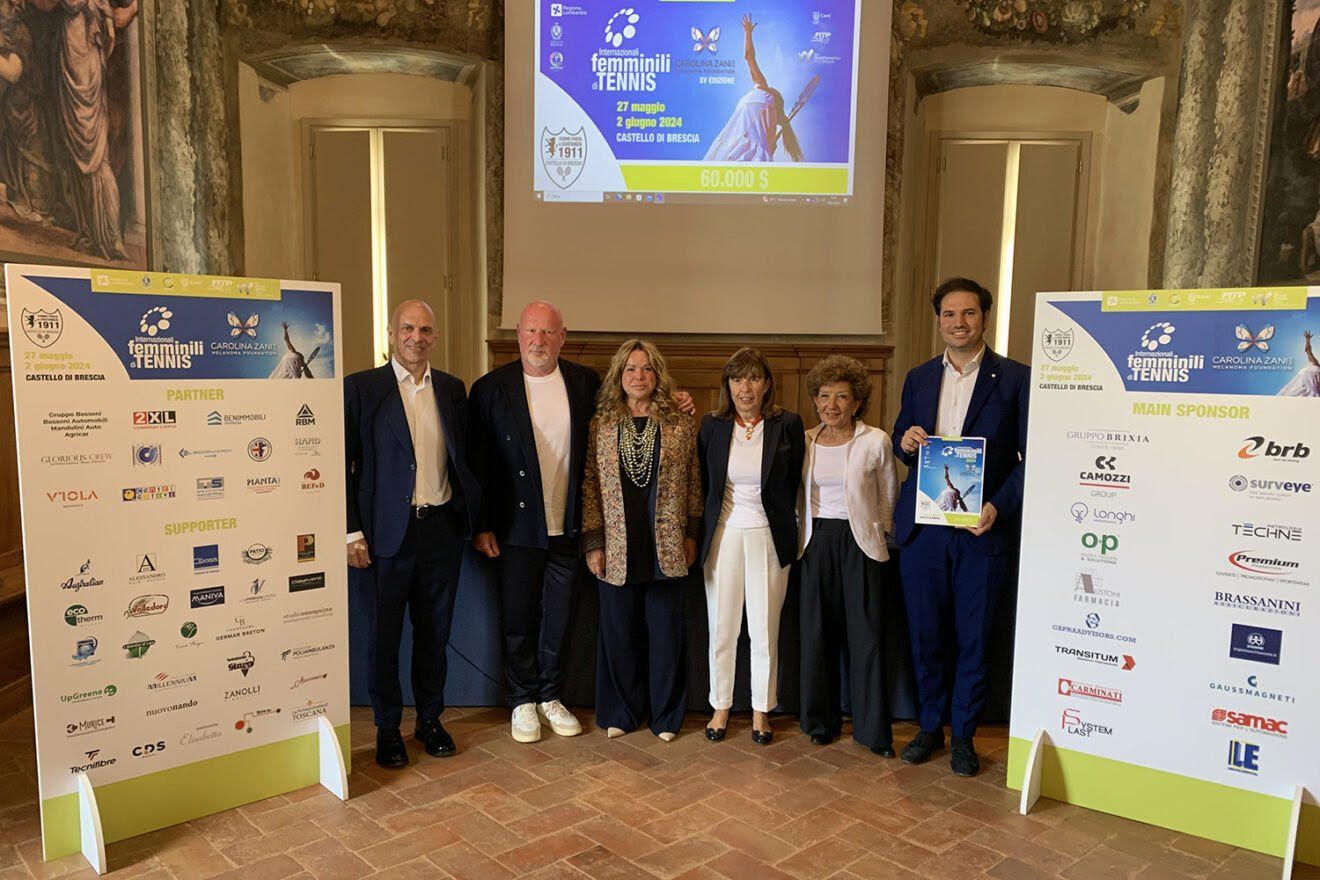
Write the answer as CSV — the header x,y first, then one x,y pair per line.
x,y
422,578
842,617
538,589
640,670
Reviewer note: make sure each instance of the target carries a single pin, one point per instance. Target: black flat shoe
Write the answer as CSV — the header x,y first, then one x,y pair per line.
x,y
883,751
923,744
715,735
821,739
390,751
762,738
438,742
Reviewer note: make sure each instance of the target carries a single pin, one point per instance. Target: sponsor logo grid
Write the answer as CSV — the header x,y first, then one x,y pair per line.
x,y
154,643
1182,593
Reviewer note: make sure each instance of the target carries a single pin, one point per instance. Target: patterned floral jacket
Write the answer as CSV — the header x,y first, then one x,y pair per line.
x,y
678,505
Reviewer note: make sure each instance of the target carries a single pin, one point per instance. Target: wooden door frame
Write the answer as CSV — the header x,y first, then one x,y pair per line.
x,y
376,126
925,326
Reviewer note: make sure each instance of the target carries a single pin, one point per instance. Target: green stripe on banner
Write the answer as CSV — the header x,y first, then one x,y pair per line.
x,y
736,179
145,803
1206,809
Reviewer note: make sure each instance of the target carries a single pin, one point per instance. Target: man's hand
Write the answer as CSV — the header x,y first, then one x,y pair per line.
x,y
988,514
913,439
690,550
358,557
596,562
686,405
486,544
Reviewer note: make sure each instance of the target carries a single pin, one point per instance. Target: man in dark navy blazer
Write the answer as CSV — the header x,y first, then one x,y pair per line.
x,y
528,444
410,497
952,577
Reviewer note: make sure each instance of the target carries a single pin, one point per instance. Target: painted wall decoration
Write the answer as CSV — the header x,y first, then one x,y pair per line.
x,y
1056,21
72,166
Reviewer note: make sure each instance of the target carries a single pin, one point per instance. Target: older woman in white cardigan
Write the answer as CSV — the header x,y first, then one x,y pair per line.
x,y
845,510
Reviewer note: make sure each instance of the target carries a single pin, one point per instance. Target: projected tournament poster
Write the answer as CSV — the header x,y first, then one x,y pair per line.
x,y
754,97
1167,630
951,472
180,444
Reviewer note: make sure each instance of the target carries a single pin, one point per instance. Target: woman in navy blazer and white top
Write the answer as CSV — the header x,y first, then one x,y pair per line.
x,y
846,510
751,463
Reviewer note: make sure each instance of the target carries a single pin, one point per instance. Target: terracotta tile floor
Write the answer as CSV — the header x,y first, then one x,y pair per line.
x,y
635,807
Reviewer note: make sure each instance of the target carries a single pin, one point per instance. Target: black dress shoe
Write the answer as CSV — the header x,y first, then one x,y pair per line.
x,y
923,744
762,738
962,756
390,751
438,742
715,735
883,751
821,739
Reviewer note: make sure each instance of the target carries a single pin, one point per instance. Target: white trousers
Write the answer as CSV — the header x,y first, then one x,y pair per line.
x,y
743,568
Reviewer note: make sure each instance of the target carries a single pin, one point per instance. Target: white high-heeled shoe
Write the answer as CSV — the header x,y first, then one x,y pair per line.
x,y
614,732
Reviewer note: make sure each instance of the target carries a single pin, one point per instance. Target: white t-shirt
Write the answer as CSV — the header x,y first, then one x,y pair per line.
x,y
547,398
829,476
741,507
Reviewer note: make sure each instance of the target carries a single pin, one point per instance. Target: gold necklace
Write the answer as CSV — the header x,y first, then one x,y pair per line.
x,y
637,449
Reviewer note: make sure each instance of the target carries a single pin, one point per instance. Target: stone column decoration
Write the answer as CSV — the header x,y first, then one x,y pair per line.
x,y
1220,140
189,157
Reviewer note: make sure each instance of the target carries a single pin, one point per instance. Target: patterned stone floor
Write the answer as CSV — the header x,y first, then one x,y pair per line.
x,y
635,807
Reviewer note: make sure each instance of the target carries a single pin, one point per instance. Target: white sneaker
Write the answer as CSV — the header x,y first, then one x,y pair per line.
x,y
526,726
561,720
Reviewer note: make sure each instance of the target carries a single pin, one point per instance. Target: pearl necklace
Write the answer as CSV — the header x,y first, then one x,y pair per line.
x,y
637,449
749,426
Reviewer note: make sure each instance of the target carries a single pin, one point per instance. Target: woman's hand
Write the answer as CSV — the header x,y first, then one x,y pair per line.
x,y
748,24
596,562
690,550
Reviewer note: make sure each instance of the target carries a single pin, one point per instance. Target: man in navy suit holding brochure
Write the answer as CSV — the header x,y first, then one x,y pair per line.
x,y
952,577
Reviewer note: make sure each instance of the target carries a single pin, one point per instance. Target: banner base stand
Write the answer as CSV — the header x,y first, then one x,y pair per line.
x,y
333,773
89,822
1294,819
1031,775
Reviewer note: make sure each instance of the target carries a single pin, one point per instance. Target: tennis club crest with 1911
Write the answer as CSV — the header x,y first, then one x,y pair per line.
x,y
563,155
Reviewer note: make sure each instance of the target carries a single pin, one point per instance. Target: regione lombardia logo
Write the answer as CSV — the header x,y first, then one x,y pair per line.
x,y
622,26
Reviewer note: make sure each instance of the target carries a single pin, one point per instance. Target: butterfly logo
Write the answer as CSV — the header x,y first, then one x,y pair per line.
x,y
238,328
806,55
1248,340
703,42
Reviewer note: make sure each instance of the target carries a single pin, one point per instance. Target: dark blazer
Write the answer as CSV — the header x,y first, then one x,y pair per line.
x,y
781,474
997,412
502,449
382,470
